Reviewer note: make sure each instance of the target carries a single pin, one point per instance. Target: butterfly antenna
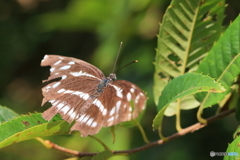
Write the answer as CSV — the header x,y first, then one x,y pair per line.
x,y
120,47
127,65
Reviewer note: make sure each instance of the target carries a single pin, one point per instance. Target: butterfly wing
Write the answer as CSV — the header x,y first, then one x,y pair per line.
x,y
121,101
126,105
71,95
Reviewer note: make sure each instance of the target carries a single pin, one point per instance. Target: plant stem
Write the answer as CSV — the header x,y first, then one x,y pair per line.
x,y
103,144
199,115
178,116
142,131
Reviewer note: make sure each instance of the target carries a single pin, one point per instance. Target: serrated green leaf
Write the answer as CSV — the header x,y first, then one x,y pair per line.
x,y
6,114
103,155
181,86
231,99
30,126
236,133
222,63
188,30
233,150
237,113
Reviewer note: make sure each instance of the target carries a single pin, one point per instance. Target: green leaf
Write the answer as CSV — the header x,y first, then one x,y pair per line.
x,y
187,84
233,150
188,30
30,126
236,133
222,63
6,114
237,113
103,155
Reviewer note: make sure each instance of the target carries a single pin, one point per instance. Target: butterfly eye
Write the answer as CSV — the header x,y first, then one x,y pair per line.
x,y
113,76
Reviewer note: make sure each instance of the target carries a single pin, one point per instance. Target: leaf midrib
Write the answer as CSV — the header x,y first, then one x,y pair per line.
x,y
190,39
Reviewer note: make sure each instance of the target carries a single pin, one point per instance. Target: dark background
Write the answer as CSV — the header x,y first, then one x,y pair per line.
x,y
92,30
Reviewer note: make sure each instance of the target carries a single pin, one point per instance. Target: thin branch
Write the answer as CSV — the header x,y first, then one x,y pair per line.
x,y
184,131
62,149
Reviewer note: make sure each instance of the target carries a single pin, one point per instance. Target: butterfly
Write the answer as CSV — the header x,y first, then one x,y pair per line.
x,y
80,92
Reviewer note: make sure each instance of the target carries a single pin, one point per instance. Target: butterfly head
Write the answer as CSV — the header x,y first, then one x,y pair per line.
x,y
112,76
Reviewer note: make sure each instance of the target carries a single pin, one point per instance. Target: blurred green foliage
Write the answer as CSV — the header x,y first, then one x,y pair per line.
x,y
92,30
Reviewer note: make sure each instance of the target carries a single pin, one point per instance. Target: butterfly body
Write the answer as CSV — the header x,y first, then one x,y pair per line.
x,y
104,83
86,96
